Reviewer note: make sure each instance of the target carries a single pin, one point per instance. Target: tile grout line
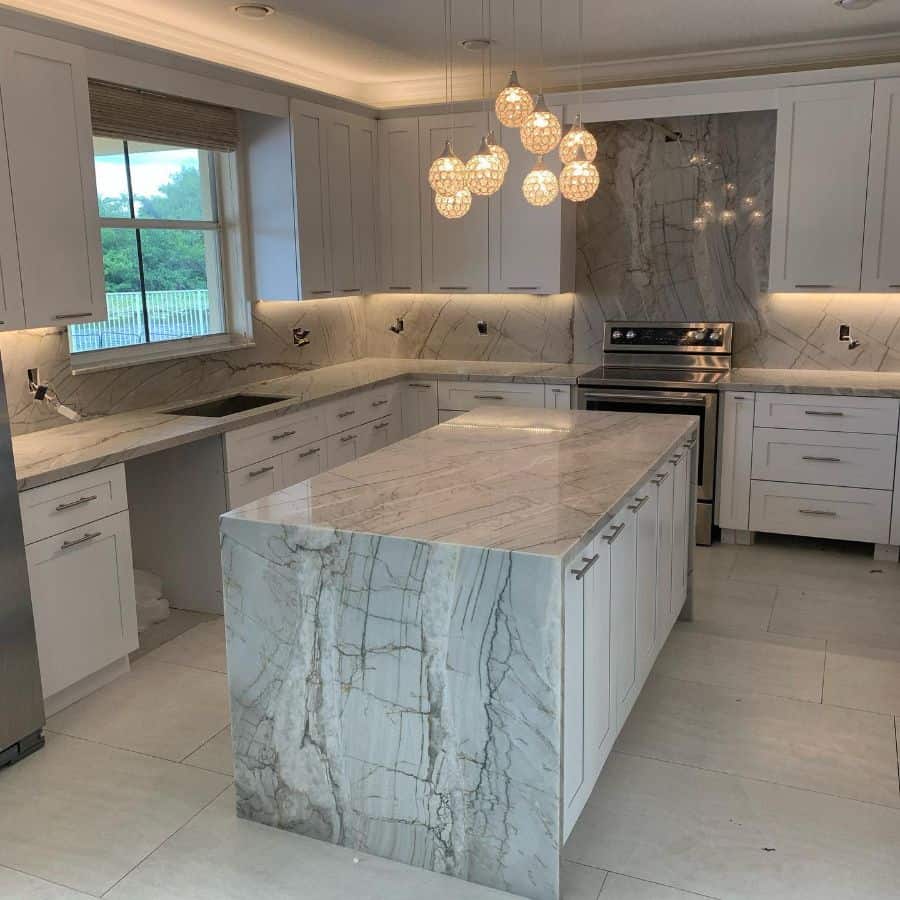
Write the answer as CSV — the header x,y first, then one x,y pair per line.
x,y
204,744
792,787
658,883
144,858
728,687
61,884
824,669
897,748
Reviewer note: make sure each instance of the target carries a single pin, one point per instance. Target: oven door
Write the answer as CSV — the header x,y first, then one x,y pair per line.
x,y
704,404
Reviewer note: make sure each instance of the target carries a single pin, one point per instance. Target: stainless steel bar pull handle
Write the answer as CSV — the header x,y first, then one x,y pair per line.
x,y
85,315
675,458
257,472
416,384
489,397
72,504
348,437
283,435
380,402
588,565
689,444
660,478
453,287
828,459
90,536
381,425
640,502
813,286
399,287
817,512
345,413
822,412
306,453
617,530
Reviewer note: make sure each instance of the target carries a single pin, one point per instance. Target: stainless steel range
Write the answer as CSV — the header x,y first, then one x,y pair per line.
x,y
666,367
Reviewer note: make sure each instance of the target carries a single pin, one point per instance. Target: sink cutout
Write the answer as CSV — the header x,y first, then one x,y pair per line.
x,y
226,406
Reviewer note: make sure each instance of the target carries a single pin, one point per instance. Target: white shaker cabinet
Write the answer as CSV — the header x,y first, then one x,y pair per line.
x,y
454,251
735,456
419,406
532,250
821,173
622,540
49,149
557,397
665,488
400,217
646,512
881,261
681,536
12,306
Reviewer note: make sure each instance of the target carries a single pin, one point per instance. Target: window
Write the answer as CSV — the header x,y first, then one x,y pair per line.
x,y
161,245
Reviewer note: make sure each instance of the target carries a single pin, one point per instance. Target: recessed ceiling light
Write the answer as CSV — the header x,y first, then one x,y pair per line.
x,y
853,4
253,10
476,44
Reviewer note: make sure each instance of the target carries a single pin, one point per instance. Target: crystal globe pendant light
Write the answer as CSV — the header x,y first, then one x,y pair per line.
x,y
498,151
541,131
454,206
577,136
513,104
484,171
540,186
447,174
579,178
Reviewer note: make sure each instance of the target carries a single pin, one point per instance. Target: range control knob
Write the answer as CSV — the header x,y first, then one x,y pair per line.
x,y
617,335
630,335
697,335
715,337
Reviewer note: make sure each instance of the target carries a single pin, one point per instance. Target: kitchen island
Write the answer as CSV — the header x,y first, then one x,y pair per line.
x,y
432,649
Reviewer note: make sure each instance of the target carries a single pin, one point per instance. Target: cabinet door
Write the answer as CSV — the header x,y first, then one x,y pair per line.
x,y
646,511
381,433
339,198
557,397
881,262
532,250
821,173
364,187
47,119
345,447
454,251
574,655
82,591
623,594
12,308
399,213
665,484
682,532
735,459
299,465
310,145
254,482
420,406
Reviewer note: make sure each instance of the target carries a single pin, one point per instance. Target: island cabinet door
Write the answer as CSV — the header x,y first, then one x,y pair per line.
x,y
645,509
588,706
681,532
665,486
420,406
622,540
345,447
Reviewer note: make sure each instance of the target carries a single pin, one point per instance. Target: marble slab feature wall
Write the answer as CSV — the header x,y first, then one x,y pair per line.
x,y
398,697
337,335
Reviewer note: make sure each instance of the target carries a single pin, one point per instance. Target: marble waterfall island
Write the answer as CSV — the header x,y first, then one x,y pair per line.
x,y
395,637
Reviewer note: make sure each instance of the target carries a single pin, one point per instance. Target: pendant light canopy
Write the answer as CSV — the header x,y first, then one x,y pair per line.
x,y
454,206
542,130
447,174
540,186
484,171
577,136
579,179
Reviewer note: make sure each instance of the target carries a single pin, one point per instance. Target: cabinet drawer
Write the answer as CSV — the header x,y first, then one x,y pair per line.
x,y
466,395
864,415
82,592
851,514
824,457
55,508
254,482
346,447
380,433
259,442
298,465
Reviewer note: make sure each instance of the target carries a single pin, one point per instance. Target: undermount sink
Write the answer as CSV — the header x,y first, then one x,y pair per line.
x,y
226,406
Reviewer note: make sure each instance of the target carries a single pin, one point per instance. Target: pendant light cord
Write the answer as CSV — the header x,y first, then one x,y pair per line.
x,y
450,56
515,39
541,42
580,56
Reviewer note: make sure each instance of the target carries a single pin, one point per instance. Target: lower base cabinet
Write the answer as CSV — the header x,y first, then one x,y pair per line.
x,y
82,592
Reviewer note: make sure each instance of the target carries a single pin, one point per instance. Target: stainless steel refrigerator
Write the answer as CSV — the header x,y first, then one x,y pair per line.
x,y
21,702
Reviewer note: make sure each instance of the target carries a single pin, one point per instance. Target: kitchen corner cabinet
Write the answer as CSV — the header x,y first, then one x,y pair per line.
x,y
48,193
881,261
735,457
455,252
532,250
419,404
400,189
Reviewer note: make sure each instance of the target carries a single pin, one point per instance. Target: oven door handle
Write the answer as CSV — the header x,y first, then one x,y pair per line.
x,y
658,397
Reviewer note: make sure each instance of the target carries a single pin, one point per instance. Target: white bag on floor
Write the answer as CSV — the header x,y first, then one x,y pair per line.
x,y
152,607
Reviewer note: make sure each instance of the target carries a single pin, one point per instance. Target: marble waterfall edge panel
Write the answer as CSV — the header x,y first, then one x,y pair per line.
x,y
399,697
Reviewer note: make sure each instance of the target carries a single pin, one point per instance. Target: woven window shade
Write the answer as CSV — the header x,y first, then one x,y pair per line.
x,y
125,112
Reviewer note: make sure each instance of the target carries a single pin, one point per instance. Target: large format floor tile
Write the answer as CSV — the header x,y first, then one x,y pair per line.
x,y
82,815
766,664
722,606
156,708
732,837
25,887
621,887
220,857
179,621
202,647
215,754
844,752
578,882
851,616
862,678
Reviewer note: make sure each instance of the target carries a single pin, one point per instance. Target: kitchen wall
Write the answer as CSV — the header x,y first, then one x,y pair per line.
x,y
337,335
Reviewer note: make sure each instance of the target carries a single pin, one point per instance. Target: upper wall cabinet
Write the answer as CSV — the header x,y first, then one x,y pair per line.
x,y
454,251
532,250
323,242
821,173
400,184
881,259
55,276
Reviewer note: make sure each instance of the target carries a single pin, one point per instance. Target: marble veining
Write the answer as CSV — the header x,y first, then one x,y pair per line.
x,y
795,381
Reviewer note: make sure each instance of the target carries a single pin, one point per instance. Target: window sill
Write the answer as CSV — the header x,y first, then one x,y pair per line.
x,y
123,357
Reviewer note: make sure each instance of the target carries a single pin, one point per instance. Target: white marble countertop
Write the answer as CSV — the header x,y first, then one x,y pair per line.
x,y
528,480
803,381
56,453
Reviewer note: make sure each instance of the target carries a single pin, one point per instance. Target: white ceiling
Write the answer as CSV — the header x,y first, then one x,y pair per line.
x,y
390,52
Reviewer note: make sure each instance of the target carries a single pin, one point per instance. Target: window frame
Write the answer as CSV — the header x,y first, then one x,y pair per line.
x,y
231,227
